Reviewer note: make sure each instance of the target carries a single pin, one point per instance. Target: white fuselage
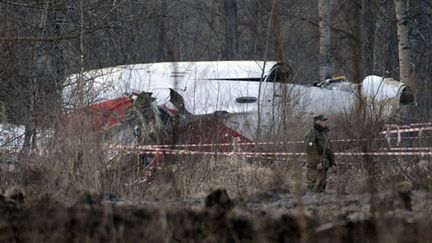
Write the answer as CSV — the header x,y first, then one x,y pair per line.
x,y
233,87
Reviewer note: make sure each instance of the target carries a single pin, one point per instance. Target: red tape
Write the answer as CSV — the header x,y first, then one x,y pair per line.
x,y
275,154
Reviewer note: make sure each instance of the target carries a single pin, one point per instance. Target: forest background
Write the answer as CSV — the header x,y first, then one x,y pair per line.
x,y
44,41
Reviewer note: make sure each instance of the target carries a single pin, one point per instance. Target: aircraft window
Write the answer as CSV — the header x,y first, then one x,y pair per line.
x,y
273,76
246,99
278,74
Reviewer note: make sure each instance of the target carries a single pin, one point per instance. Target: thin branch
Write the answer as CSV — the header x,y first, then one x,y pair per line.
x,y
21,4
72,35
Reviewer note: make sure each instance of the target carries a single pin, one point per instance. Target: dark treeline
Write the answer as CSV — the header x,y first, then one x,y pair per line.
x,y
40,40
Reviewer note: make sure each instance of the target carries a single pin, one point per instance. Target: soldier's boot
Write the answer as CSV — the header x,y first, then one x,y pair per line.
x,y
311,177
321,181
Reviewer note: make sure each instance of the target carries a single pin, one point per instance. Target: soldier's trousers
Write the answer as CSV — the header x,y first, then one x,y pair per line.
x,y
316,179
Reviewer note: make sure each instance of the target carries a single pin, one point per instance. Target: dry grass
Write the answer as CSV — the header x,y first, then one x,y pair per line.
x,y
77,162
196,178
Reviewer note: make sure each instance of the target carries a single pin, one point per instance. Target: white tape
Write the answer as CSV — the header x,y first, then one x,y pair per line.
x,y
409,149
411,125
216,145
190,152
276,154
173,149
269,155
399,153
405,130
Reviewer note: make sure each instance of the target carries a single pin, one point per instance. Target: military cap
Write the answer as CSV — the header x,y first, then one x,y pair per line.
x,y
320,117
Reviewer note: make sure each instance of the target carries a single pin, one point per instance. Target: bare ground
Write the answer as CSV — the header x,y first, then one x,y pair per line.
x,y
271,216
172,207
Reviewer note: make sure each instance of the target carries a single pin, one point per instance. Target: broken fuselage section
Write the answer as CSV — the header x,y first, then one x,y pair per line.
x,y
235,92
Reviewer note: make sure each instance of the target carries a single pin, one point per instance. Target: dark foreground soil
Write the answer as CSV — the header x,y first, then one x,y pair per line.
x,y
265,217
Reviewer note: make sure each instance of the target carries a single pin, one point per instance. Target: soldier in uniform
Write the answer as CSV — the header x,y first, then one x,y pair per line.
x,y
320,156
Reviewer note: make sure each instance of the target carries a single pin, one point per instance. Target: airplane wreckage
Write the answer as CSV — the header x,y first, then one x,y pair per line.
x,y
235,92
216,102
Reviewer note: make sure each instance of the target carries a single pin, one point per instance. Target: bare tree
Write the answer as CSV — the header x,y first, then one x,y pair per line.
x,y
370,23
405,67
162,36
377,51
230,17
354,18
324,12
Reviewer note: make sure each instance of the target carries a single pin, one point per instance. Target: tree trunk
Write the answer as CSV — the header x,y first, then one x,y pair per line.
x,y
162,53
39,62
403,43
216,24
379,38
81,48
355,19
369,17
230,26
324,13
276,33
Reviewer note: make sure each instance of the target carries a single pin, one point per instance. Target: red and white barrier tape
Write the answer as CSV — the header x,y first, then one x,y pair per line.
x,y
200,145
425,124
409,149
385,132
405,130
391,152
399,153
190,152
215,145
173,149
277,154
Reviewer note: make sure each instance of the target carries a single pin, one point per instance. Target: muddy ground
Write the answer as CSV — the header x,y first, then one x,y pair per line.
x,y
259,205
272,216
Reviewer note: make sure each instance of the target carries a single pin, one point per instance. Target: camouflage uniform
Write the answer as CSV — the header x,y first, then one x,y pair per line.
x,y
320,157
